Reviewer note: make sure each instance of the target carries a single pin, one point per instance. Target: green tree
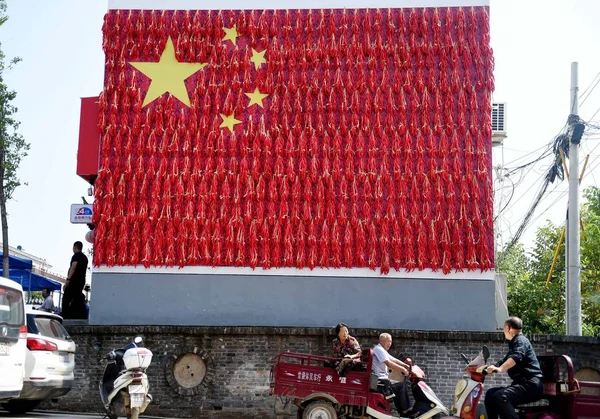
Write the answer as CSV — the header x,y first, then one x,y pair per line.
x,y
548,310
528,296
13,146
590,262
540,301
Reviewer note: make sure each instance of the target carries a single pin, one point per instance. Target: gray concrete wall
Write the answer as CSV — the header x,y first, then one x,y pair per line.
x,y
244,300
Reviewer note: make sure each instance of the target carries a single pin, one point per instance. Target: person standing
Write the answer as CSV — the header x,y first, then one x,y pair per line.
x,y
523,368
73,289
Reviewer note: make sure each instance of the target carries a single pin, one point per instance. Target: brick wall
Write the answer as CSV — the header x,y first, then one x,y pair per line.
x,y
239,359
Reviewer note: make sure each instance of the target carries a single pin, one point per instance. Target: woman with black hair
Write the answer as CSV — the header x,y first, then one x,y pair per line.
x,y
346,348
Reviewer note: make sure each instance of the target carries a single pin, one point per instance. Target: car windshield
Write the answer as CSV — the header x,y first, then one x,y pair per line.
x,y
51,328
11,307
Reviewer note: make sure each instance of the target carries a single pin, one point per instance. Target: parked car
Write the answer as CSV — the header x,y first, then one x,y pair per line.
x,y
13,332
49,362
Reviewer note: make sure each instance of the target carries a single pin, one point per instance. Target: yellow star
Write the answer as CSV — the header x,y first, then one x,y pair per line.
x,y
258,58
256,97
167,75
230,34
229,121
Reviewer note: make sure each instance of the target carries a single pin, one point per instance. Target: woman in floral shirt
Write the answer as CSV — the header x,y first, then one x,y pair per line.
x,y
346,348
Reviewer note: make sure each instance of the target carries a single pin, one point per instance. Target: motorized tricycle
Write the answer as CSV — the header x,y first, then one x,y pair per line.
x,y
564,396
320,393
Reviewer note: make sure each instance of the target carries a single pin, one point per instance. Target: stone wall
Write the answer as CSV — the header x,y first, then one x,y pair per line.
x,y
238,361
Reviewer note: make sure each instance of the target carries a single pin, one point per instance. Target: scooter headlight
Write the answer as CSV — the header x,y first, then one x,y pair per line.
x,y
459,389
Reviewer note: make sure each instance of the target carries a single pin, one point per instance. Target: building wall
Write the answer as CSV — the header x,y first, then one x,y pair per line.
x,y
238,363
231,300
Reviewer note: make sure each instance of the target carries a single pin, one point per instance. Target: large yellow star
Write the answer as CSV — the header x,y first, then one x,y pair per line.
x,y
229,121
258,58
230,34
256,97
167,75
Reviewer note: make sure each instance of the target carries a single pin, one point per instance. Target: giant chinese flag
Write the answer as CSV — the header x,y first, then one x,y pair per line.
x,y
296,138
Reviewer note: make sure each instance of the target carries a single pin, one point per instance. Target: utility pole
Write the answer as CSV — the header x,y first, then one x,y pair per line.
x,y
573,282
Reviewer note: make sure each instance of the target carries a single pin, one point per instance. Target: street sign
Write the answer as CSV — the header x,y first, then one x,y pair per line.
x,y
81,213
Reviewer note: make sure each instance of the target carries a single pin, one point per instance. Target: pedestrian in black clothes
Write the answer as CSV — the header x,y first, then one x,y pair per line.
x,y
523,367
73,302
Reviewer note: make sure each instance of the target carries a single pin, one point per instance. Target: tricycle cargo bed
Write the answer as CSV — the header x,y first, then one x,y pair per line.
x,y
305,377
564,395
587,401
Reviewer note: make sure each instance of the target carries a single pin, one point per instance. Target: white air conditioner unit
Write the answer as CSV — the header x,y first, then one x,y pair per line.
x,y
498,123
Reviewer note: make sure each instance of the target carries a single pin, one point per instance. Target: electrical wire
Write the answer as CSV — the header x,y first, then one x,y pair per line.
x,y
560,143
595,113
529,153
590,171
512,193
588,88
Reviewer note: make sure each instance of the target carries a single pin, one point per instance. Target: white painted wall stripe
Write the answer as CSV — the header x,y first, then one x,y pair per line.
x,y
317,272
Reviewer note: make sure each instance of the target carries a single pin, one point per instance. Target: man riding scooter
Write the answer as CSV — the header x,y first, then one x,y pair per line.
x,y
523,367
382,360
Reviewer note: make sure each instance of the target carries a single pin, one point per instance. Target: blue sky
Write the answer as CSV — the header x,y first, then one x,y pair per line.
x,y
61,46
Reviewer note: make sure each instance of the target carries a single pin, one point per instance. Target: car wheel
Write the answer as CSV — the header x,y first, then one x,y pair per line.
x,y
18,407
319,410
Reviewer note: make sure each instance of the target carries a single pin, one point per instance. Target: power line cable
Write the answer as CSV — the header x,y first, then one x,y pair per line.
x,y
563,193
595,113
546,147
588,88
561,142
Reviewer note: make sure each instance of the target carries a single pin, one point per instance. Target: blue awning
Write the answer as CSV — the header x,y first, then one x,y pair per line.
x,y
38,282
15,262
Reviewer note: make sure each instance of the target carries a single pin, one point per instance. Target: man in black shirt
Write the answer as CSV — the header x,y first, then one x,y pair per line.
x,y
73,303
523,368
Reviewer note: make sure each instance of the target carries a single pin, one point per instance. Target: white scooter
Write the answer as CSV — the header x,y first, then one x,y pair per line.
x,y
467,392
469,388
124,386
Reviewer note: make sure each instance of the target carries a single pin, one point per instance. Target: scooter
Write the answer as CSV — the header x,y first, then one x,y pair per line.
x,y
124,386
467,392
469,388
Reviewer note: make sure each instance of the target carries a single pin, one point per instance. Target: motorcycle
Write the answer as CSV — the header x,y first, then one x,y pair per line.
x,y
124,385
469,388
319,392
467,392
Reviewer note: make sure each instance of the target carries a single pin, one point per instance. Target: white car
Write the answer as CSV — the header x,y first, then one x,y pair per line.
x,y
13,332
49,362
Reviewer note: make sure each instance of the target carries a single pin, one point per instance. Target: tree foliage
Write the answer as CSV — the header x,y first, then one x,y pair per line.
x,y
540,301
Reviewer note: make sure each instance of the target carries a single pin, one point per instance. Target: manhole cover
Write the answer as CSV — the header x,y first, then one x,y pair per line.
x,y
189,370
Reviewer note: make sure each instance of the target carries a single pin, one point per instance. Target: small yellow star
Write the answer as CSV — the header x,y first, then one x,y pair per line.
x,y
256,97
258,58
229,121
230,34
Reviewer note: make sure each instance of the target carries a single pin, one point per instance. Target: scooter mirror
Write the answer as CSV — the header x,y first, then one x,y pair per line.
x,y
486,353
138,340
464,357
